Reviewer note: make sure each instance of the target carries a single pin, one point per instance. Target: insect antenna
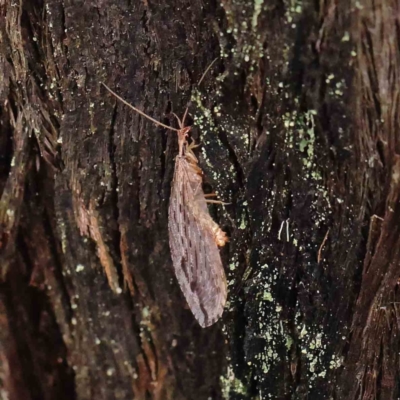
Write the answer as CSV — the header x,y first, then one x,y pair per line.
x,y
139,111
205,72
198,84
180,123
184,116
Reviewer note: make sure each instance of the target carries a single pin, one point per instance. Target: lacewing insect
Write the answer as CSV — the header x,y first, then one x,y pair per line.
x,y
194,237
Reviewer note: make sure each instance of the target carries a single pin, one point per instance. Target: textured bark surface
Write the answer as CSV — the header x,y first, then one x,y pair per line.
x,y
299,125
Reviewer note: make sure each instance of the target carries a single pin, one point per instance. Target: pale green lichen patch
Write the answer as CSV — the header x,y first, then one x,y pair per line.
x,y
294,9
243,19
63,235
300,136
231,277
232,266
302,126
203,119
336,362
313,346
243,222
257,10
238,133
267,296
272,333
231,385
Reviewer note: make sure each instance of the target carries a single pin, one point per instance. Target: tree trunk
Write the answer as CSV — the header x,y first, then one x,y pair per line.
x,y
299,128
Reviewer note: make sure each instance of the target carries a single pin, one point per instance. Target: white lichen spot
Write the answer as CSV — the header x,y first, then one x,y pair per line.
x,y
335,362
79,268
303,332
257,10
346,37
243,223
145,312
267,296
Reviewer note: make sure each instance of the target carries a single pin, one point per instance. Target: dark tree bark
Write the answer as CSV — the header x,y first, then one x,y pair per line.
x,y
299,128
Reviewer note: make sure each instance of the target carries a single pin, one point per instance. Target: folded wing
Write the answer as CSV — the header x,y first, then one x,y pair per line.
x,y
194,251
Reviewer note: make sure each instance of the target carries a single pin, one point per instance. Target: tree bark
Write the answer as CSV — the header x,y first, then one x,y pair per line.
x,y
299,128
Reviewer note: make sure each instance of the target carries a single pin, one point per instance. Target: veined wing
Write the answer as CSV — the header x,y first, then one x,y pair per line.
x,y
194,251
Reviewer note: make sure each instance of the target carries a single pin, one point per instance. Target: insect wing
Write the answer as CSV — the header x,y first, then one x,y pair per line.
x,y
194,252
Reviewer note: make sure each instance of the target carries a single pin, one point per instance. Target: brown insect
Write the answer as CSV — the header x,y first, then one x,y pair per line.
x,y
193,235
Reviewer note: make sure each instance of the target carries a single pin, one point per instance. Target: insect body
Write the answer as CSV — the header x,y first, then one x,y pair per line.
x,y
194,239
193,235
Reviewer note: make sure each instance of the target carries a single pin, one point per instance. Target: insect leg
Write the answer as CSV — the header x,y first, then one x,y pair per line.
x,y
217,202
